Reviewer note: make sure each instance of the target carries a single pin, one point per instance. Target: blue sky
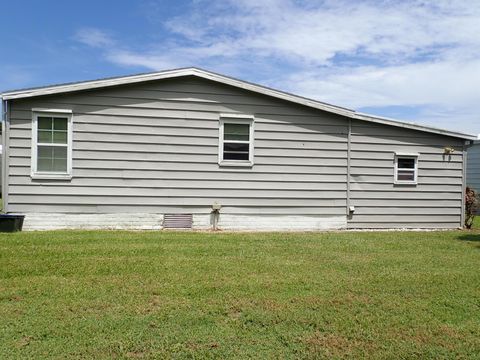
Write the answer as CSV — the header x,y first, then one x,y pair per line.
x,y
410,60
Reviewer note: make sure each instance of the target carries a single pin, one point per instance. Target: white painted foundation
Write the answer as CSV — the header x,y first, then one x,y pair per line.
x,y
281,222
53,221
230,222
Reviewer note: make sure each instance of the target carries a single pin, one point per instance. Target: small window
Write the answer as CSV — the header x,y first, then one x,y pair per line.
x,y
406,169
236,141
51,144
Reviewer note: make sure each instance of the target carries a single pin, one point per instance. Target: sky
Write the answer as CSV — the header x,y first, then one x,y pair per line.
x,y
409,60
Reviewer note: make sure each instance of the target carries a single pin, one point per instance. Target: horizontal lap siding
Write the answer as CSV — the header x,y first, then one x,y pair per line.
x,y
153,148
435,202
473,166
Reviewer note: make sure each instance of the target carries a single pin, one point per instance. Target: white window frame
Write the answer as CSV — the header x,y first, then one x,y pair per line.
x,y
47,175
236,119
415,169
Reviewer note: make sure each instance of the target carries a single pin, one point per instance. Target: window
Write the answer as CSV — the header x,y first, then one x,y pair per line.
x,y
51,144
406,169
236,140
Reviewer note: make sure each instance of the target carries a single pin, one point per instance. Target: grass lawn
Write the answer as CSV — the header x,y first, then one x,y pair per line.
x,y
202,295
476,222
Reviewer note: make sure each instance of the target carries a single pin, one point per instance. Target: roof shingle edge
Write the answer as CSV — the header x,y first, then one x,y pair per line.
x,y
193,71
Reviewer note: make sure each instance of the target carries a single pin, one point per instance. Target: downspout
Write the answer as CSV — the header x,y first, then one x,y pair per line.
x,y
349,142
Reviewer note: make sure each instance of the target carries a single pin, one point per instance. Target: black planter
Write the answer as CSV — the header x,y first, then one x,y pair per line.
x,y
11,223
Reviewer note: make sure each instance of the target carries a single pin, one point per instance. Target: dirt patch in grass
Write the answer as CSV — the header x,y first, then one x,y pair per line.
x,y
24,341
136,354
444,336
332,345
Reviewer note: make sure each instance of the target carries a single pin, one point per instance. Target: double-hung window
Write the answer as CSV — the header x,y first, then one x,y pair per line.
x,y
51,143
406,168
236,140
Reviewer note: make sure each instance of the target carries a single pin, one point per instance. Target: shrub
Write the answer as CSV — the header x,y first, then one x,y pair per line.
x,y
471,205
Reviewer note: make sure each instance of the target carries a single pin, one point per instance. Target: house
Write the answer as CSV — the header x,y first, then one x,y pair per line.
x,y
192,148
1,168
473,166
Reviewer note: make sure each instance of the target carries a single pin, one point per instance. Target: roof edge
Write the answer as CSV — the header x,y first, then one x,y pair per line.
x,y
193,71
91,84
413,126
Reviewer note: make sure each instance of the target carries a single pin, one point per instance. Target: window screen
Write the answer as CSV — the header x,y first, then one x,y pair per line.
x,y
406,169
236,141
52,144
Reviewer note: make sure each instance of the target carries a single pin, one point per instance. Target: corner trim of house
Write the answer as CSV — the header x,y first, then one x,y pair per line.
x,y
5,153
464,184
349,151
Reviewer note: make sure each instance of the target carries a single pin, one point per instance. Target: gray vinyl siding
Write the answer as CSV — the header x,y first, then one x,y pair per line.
x,y
153,148
434,202
473,166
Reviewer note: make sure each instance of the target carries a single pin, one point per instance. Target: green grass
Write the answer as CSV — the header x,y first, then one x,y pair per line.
x,y
202,295
476,222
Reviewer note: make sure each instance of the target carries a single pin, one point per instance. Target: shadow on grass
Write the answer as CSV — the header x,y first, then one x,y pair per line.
x,y
473,237
470,237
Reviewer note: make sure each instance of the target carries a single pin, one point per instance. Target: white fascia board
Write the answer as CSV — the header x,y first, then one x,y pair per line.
x,y
272,92
412,126
87,85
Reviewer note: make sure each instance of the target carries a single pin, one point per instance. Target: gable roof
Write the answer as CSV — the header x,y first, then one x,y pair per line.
x,y
192,71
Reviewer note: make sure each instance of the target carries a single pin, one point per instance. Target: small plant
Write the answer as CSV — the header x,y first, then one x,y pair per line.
x,y
471,205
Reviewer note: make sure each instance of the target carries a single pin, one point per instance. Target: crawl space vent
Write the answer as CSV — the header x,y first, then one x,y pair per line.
x,y
177,221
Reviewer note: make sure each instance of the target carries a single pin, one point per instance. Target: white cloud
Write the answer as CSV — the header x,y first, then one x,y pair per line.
x,y
93,37
429,83
351,53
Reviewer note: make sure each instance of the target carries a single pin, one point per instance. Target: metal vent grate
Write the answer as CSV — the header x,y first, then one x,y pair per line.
x,y
177,221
